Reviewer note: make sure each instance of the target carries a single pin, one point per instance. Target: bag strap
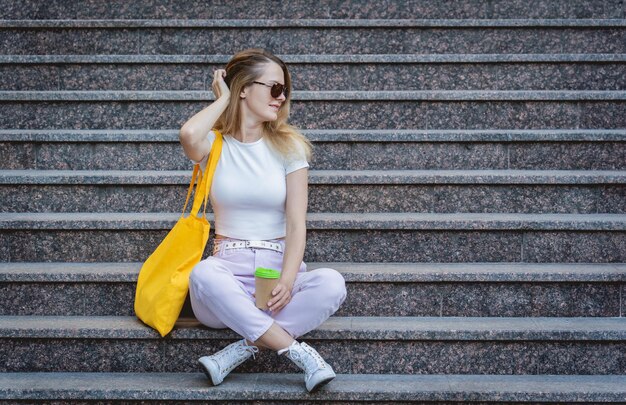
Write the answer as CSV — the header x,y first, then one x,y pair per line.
x,y
207,179
196,169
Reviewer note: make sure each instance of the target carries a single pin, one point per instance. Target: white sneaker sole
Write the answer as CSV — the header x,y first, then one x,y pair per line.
x,y
210,369
323,380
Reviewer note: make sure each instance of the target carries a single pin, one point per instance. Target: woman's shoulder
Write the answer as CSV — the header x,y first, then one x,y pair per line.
x,y
295,158
211,138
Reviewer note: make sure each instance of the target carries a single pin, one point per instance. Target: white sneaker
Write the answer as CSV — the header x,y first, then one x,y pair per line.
x,y
316,371
219,365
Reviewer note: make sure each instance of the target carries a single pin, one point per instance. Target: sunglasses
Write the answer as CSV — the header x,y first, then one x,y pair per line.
x,y
276,89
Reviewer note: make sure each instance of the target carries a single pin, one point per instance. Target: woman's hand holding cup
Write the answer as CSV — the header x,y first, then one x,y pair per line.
x,y
281,295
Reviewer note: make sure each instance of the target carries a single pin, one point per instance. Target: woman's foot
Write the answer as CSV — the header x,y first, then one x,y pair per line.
x,y
317,372
219,365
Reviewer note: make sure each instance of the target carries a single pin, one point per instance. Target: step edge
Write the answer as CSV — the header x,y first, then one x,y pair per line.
x,y
324,177
330,95
188,386
314,23
127,272
346,328
321,58
337,135
332,221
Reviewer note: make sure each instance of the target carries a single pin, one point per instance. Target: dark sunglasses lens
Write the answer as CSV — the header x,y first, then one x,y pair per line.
x,y
277,90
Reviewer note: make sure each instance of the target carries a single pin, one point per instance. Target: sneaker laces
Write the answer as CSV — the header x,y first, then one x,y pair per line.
x,y
312,362
241,352
250,349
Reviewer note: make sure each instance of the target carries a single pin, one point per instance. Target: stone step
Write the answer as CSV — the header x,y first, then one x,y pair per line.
x,y
335,149
352,237
342,72
297,36
330,191
353,345
288,388
332,9
432,109
374,289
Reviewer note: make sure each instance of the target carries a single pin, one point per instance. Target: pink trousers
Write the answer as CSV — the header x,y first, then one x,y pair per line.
x,y
221,288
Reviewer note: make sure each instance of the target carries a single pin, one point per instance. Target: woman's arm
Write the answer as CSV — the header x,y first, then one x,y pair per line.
x,y
193,134
295,241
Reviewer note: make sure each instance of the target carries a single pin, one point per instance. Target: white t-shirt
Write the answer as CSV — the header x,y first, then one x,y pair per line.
x,y
249,189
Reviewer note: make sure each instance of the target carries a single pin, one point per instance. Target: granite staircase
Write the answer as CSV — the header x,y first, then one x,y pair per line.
x,y
468,181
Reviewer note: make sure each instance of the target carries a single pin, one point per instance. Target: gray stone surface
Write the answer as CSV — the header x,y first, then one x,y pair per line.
x,y
103,198
421,357
330,221
586,155
324,9
119,272
417,289
522,299
367,40
285,387
309,23
326,95
416,156
112,272
334,150
325,177
330,191
495,199
328,156
107,156
88,237
112,156
348,328
41,299
311,114
573,247
306,76
611,198
342,135
429,345
364,299
305,59
73,246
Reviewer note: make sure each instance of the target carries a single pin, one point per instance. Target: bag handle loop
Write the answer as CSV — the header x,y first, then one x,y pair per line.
x,y
214,158
204,182
196,168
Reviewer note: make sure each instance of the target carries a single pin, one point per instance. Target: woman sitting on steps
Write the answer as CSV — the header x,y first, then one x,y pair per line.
x,y
259,194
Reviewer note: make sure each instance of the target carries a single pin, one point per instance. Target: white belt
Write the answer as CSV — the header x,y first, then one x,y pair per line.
x,y
250,244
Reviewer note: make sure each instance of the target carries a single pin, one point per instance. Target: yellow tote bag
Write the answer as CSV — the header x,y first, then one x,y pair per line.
x,y
164,277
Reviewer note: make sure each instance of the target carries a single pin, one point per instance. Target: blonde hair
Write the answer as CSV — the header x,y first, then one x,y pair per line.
x,y
244,68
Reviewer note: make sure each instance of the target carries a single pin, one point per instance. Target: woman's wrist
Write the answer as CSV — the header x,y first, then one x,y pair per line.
x,y
287,281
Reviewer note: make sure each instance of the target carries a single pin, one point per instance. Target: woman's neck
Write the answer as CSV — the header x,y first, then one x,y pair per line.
x,y
249,132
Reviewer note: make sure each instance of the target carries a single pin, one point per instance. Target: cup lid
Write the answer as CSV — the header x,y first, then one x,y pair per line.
x,y
263,272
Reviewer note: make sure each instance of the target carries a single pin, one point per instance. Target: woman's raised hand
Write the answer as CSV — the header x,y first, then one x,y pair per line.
x,y
220,89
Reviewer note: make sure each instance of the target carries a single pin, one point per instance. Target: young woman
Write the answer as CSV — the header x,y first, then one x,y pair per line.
x,y
259,198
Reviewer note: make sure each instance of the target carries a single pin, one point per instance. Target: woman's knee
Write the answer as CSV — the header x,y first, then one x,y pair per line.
x,y
334,285
208,277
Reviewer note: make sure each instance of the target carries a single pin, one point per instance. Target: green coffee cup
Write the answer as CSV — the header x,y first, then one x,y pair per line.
x,y
265,281
263,272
